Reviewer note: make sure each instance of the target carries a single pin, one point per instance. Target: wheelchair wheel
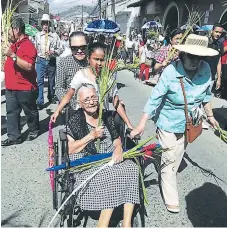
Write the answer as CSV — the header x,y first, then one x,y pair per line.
x,y
138,219
58,176
56,183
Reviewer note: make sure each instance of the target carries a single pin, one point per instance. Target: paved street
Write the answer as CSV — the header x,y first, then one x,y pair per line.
x,y
26,192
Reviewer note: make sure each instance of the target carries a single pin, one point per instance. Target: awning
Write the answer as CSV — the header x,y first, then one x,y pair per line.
x,y
138,3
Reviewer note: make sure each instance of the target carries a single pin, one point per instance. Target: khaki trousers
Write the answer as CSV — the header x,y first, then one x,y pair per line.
x,y
171,159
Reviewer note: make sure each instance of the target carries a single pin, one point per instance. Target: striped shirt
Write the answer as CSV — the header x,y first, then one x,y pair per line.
x,y
47,42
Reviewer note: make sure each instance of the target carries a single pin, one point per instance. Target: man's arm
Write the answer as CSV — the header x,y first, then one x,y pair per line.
x,y
27,62
23,64
218,83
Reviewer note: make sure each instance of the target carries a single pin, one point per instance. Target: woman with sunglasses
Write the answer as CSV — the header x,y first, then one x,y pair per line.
x,y
96,56
69,65
166,107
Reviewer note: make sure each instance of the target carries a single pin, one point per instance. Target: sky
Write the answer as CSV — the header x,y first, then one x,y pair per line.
x,y
62,5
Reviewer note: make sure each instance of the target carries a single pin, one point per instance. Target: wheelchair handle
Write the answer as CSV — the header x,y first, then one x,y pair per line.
x,y
136,137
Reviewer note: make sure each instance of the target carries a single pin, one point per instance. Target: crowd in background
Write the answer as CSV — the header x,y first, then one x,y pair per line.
x,y
55,51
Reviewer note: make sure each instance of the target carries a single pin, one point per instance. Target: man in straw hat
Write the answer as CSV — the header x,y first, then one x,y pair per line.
x,y
48,48
166,106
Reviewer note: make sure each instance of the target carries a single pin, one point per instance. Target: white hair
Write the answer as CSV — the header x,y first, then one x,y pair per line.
x,y
84,86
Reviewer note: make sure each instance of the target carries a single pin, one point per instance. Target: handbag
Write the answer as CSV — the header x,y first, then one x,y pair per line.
x,y
191,131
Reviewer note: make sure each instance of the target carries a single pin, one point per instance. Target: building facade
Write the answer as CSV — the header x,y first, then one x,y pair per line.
x,y
175,13
126,18
30,11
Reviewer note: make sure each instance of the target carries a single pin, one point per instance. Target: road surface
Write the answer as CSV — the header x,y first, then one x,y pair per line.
x,y
26,193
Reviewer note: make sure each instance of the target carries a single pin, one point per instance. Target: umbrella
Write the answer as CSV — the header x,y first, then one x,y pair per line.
x,y
185,27
206,28
105,26
152,24
51,154
30,30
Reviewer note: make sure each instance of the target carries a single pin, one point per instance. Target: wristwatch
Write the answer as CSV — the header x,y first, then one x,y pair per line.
x,y
14,58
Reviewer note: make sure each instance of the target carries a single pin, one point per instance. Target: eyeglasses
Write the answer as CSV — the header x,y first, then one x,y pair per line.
x,y
88,101
65,35
77,48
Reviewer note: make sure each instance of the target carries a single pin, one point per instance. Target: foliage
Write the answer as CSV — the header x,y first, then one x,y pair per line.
x,y
223,134
151,34
6,24
106,79
193,19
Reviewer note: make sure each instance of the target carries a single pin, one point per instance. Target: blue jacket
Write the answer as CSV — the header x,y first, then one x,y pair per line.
x,y
166,103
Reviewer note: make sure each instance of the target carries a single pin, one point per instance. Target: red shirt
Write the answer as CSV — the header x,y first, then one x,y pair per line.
x,y
224,57
118,43
15,77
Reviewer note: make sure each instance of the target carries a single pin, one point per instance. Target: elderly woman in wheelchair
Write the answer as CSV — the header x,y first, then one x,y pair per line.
x,y
114,186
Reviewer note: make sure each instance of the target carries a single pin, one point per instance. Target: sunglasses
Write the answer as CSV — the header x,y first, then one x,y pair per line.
x,y
77,48
65,35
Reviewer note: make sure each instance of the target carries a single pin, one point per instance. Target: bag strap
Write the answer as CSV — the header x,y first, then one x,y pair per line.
x,y
185,101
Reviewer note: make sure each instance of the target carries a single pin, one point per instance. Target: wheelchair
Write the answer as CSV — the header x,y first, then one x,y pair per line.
x,y
72,215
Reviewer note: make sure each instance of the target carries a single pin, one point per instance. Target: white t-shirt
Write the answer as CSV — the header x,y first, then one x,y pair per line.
x,y
129,44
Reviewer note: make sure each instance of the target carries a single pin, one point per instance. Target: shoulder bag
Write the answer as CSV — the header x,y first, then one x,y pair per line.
x,y
191,131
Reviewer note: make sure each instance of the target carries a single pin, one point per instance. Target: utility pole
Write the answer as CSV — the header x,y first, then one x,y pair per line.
x,y
82,19
100,9
113,10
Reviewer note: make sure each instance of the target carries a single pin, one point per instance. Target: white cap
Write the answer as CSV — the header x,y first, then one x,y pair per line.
x,y
45,17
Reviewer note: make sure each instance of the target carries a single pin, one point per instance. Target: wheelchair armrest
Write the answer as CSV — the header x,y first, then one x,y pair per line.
x,y
62,135
136,137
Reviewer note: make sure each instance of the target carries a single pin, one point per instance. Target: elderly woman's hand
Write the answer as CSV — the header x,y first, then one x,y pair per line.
x,y
137,131
97,132
117,155
214,123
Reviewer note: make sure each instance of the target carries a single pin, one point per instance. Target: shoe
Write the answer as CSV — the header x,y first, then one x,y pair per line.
x,y
9,142
32,136
40,106
172,208
205,126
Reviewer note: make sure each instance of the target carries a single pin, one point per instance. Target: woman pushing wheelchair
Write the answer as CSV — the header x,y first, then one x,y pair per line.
x,y
114,186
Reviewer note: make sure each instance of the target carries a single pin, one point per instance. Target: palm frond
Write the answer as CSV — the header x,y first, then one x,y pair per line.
x,y
193,18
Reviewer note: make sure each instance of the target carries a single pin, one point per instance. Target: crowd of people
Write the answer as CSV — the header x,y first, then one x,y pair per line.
x,y
183,80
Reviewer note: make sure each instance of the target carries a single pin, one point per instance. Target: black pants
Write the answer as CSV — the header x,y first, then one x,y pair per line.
x,y
15,102
130,55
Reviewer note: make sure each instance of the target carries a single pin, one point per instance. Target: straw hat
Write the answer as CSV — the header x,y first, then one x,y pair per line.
x,y
196,45
45,17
